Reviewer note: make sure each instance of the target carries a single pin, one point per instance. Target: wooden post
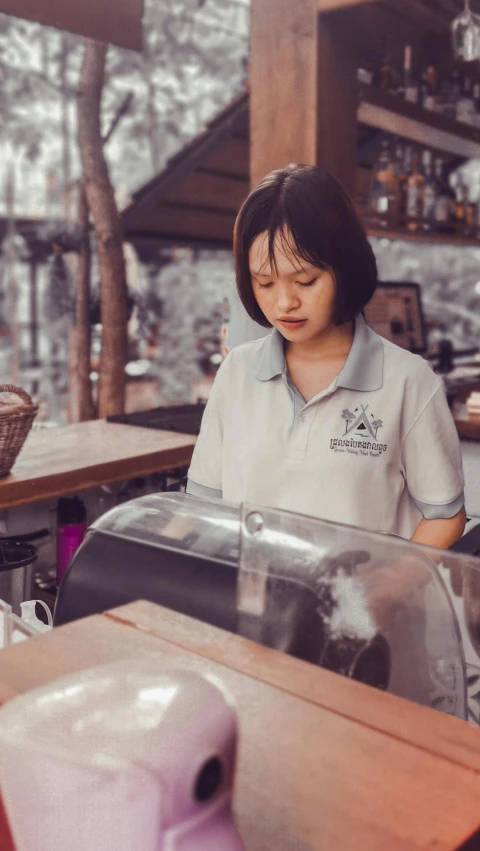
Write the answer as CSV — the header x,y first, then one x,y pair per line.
x,y
33,312
337,98
283,81
303,88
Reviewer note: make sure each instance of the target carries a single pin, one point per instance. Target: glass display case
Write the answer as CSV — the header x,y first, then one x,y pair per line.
x,y
366,605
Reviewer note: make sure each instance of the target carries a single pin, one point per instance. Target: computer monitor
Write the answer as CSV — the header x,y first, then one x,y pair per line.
x,y
395,312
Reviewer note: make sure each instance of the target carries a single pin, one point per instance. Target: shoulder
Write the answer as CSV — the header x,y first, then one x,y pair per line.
x,y
251,348
408,368
247,354
242,360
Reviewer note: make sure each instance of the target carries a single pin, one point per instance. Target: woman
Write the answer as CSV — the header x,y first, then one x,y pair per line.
x,y
323,416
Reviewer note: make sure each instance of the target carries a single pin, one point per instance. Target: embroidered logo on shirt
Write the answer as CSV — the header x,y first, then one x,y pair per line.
x,y
361,424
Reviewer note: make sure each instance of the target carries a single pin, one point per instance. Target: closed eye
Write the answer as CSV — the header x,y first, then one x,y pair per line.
x,y
300,283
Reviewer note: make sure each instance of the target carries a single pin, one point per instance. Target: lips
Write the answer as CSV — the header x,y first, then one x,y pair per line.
x,y
292,323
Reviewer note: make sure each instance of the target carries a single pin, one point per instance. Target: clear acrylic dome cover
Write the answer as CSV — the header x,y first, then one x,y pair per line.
x,y
363,604
177,521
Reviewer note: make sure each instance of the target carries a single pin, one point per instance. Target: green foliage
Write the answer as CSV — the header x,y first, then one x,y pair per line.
x,y
191,66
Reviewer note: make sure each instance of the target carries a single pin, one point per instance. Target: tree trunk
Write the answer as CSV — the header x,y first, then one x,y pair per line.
x,y
86,408
101,201
152,124
73,412
65,124
11,257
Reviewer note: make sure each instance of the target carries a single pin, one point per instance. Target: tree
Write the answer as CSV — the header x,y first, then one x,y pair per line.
x,y
11,253
348,417
86,408
101,201
192,65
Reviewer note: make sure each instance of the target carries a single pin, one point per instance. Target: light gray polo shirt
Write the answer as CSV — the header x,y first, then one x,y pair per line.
x,y
377,449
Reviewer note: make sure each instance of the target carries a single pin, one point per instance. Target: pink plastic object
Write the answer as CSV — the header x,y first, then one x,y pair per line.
x,y
120,757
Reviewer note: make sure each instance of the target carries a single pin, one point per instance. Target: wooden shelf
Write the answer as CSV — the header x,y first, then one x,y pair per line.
x,y
409,120
437,238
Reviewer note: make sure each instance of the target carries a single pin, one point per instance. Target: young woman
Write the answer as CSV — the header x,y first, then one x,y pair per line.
x,y
323,416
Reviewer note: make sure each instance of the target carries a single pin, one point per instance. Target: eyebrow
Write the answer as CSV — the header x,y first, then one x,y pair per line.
x,y
268,274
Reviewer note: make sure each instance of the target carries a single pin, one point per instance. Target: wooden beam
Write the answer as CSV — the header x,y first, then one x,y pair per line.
x,y
303,89
420,12
283,84
108,21
337,99
333,5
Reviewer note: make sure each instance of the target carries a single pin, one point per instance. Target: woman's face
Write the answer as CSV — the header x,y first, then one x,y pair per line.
x,y
298,299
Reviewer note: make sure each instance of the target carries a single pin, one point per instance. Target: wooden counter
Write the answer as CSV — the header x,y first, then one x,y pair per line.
x,y
324,763
59,461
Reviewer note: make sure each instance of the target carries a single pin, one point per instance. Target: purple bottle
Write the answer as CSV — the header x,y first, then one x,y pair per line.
x,y
71,528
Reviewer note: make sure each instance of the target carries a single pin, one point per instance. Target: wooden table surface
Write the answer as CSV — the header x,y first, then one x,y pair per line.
x,y
324,763
57,461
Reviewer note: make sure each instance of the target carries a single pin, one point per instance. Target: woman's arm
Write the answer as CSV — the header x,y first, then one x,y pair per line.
x,y
391,586
440,533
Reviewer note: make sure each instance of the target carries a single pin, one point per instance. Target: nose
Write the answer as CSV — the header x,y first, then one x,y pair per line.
x,y
287,298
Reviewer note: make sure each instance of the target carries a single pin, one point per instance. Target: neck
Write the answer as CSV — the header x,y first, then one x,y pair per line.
x,y
336,340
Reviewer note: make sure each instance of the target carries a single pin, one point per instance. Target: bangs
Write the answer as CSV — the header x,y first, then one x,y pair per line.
x,y
281,236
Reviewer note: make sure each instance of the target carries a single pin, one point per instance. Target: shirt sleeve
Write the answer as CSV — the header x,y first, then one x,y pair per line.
x,y
205,471
432,461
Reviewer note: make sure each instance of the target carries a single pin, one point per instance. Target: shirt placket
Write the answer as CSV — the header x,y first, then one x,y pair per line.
x,y
304,414
297,445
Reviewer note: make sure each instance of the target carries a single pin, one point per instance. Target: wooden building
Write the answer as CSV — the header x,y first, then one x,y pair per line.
x,y
305,104
110,21
195,199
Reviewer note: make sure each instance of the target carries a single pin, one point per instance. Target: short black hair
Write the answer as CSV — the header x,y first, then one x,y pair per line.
x,y
314,217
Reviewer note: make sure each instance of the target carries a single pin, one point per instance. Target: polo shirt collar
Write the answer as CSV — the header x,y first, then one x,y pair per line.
x,y
363,369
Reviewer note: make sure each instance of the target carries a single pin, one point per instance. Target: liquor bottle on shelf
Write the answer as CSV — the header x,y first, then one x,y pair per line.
x,y
477,219
410,85
384,195
386,76
460,205
444,211
429,98
451,93
448,107
429,194
466,103
476,100
403,165
470,206
470,227
415,187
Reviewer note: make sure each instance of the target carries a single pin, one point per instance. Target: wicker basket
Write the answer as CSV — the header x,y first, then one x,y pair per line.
x,y
16,421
